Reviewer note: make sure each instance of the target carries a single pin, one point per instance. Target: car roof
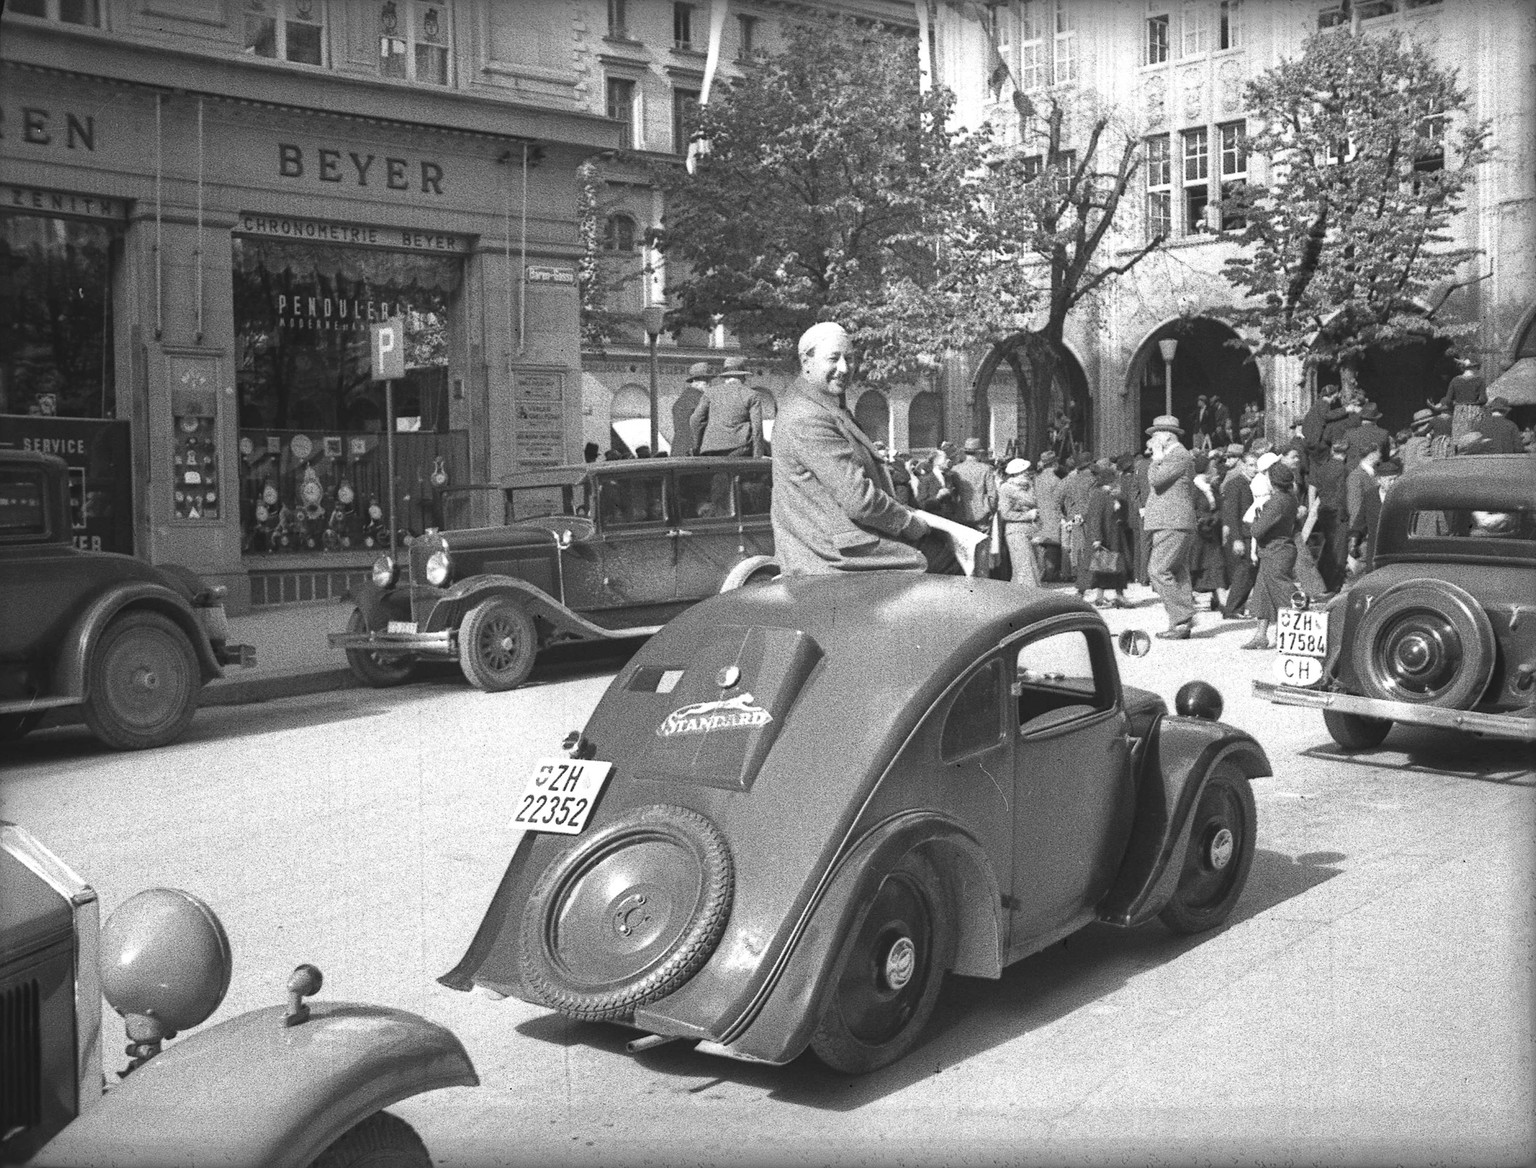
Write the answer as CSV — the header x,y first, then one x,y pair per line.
x,y
572,473
1482,482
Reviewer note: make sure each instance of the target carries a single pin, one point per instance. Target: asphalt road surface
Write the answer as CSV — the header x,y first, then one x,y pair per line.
x,y
1369,1003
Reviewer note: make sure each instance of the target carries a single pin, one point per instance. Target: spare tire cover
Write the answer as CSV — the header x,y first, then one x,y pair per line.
x,y
1428,642
628,914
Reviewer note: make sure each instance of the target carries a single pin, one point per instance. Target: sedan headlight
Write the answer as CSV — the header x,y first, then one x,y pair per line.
x,y
439,567
383,571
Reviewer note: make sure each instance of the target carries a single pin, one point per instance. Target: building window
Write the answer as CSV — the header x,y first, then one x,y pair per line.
x,y
1234,169
86,12
682,26
1157,39
746,36
1430,155
1421,4
1064,58
1002,27
621,107
618,25
685,108
1031,46
619,233
1229,25
1197,30
413,44
285,30
1159,187
1332,17
1371,8
1197,179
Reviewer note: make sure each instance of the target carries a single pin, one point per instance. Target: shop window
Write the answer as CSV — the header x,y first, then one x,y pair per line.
x,y
1234,170
1197,179
84,12
285,30
621,107
1159,187
1229,24
682,26
413,41
1197,30
56,350
974,722
311,419
685,110
1157,39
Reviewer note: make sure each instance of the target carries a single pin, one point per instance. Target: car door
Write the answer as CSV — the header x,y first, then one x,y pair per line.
x,y
635,540
706,536
754,503
1073,790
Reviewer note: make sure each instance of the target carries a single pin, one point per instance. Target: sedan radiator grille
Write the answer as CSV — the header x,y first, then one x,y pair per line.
x,y
21,1058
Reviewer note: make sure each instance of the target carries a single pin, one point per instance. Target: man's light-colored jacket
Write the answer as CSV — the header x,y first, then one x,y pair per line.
x,y
833,509
1171,498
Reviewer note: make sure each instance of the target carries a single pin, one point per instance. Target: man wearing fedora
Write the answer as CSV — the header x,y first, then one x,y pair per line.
x,y
1368,435
1419,448
976,487
1170,524
1502,435
682,409
729,417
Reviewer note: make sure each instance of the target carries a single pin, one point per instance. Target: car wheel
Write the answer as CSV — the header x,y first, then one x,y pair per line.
x,y
1222,836
380,670
627,915
142,682
1354,731
380,1141
888,973
1425,641
497,645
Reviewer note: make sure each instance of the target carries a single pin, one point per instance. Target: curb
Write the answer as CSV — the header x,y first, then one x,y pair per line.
x,y
236,691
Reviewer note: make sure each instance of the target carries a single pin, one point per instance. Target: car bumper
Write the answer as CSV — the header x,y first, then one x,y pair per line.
x,y
1517,726
439,644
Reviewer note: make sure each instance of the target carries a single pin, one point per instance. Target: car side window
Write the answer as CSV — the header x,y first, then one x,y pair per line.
x,y
1055,681
704,495
974,722
23,504
633,500
756,492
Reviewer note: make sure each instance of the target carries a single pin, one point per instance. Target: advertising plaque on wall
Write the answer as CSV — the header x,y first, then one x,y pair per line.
x,y
539,417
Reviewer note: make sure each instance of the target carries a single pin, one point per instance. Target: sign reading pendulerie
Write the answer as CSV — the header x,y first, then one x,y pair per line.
x,y
388,349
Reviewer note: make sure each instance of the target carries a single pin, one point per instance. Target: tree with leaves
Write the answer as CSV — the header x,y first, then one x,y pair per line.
x,y
820,195
1347,246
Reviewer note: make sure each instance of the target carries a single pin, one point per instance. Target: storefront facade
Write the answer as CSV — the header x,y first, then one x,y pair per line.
x,y
204,268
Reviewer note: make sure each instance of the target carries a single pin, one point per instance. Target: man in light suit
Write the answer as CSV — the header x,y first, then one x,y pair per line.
x,y
729,417
833,506
1170,524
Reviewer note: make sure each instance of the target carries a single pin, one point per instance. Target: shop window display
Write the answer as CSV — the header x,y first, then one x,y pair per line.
x,y
312,425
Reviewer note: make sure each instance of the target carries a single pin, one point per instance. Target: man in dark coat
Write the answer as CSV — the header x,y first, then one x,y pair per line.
x,y
1368,435
1236,498
1363,490
1502,435
729,417
1076,491
1331,522
833,509
1048,488
682,409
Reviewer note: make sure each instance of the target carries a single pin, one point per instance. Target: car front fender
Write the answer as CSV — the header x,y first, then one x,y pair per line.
x,y
378,605
779,1026
540,604
254,1091
1178,758
86,631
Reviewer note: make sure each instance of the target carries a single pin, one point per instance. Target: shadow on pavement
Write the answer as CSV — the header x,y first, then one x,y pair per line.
x,y
974,1014
1448,753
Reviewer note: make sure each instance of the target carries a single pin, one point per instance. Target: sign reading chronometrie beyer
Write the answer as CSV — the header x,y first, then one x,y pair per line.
x,y
358,234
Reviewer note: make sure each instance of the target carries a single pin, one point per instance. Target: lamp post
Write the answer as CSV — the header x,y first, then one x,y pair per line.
x,y
653,315
1168,347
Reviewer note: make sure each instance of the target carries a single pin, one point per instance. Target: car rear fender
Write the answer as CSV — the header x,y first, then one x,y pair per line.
x,y
254,1091
779,1025
1179,755
138,594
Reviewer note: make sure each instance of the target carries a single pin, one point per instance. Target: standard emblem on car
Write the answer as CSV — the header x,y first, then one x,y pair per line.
x,y
725,714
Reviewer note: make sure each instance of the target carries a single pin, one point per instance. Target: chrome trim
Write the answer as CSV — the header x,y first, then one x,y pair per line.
x,y
1517,726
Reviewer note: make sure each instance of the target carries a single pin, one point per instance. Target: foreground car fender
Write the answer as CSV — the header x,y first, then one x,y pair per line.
x,y
76,649
1178,757
255,1091
778,1025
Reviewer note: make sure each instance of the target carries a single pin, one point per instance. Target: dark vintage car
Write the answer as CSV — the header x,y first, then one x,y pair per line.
x,y
802,802
1440,630
129,643
293,1084
589,552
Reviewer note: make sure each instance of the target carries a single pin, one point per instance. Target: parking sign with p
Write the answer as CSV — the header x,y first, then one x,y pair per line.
x,y
388,349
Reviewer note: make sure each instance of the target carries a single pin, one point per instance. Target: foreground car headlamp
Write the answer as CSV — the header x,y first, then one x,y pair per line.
x,y
383,571
439,567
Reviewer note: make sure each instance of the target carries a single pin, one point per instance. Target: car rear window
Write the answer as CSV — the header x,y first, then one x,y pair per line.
x,y
23,509
1460,523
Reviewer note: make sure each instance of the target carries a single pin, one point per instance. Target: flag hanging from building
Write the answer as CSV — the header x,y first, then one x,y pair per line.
x,y
717,14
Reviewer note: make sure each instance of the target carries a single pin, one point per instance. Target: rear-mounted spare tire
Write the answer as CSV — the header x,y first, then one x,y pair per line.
x,y
1428,642
628,914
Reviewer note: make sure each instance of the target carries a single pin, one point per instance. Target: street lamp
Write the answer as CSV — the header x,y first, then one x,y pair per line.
x,y
653,316
1168,347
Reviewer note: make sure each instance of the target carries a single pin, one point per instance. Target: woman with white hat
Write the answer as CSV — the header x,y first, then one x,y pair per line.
x,y
1017,510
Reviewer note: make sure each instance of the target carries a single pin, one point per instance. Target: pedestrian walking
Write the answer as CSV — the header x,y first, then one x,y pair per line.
x,y
975,487
1207,568
1048,487
1019,513
1274,530
1236,498
1104,538
1076,490
934,489
1170,522
729,417
1368,435
1327,525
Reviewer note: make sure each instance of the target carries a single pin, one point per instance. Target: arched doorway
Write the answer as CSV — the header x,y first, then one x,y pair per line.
x,y
873,414
1210,361
925,420
1401,379
631,415
1064,418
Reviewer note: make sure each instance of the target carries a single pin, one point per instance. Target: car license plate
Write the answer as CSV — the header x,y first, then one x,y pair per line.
x,y
402,627
1302,633
560,794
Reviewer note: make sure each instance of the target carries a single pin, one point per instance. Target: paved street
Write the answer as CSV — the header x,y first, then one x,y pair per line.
x,y
1370,1003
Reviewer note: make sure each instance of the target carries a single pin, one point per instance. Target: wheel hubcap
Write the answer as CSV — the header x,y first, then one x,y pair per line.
x,y
146,679
900,963
1222,845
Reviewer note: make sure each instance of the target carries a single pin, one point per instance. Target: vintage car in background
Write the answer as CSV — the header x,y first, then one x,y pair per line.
x,y
801,803
129,643
590,552
289,1085
1440,629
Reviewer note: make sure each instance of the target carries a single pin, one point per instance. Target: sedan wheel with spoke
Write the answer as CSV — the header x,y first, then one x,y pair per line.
x,y
497,645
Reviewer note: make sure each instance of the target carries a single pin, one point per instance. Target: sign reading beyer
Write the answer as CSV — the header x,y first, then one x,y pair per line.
x,y
388,349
